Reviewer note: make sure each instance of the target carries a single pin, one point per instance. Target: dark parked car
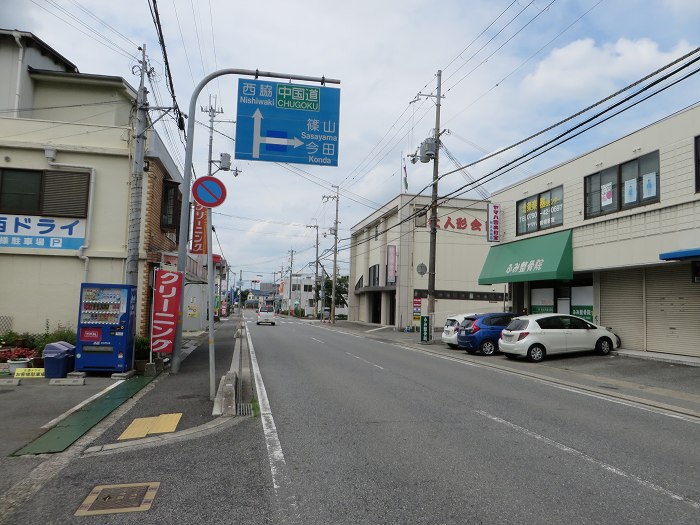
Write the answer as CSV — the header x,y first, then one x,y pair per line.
x,y
482,332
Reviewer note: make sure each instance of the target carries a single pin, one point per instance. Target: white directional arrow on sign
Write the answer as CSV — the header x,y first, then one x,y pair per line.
x,y
258,139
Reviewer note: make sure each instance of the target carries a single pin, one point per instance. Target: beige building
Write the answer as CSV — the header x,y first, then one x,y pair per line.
x,y
389,258
612,236
65,164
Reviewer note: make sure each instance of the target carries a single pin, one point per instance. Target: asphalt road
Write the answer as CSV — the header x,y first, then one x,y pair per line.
x,y
374,433
355,430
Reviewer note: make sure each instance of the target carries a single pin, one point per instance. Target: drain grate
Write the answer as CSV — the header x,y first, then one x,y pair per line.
x,y
244,409
110,499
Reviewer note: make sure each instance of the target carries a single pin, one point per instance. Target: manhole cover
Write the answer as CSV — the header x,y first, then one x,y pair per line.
x,y
109,499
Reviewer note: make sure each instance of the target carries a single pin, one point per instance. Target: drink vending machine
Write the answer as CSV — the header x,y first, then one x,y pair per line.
x,y
106,324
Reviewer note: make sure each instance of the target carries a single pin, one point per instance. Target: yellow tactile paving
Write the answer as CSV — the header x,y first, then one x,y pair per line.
x,y
142,426
138,428
165,423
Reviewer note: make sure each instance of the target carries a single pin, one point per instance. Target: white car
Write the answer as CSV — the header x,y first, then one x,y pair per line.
x,y
266,314
449,333
538,335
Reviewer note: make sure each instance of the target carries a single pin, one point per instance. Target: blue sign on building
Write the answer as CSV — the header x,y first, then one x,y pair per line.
x,y
282,122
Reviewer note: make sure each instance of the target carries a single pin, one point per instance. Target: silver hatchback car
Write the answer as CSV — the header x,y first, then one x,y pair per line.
x,y
535,336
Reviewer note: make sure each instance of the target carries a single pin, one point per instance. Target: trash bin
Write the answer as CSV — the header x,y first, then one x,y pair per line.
x,y
70,349
56,360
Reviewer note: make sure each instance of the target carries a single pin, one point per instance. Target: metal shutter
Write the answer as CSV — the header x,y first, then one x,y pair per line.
x,y
65,194
622,306
673,311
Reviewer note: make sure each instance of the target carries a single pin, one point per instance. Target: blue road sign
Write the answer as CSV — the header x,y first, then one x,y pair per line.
x,y
209,191
282,122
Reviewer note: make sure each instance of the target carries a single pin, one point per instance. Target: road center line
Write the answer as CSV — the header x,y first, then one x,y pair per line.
x,y
586,457
364,360
317,340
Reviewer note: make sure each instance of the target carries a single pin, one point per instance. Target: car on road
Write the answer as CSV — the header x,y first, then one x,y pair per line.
x,y
267,314
449,332
480,333
539,335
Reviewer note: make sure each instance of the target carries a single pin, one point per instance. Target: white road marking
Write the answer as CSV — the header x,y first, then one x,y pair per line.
x,y
364,360
77,407
317,340
278,465
586,457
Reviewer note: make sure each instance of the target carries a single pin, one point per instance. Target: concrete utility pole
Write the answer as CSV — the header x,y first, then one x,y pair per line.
x,y
187,174
335,250
291,271
433,209
136,191
212,111
315,278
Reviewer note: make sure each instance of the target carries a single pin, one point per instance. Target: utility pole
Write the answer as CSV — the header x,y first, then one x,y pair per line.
x,y
291,272
335,250
315,278
433,208
212,111
136,191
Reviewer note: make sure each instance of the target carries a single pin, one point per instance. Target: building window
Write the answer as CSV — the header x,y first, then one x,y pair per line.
x,y
421,220
540,212
50,193
296,287
374,275
634,183
170,206
308,287
697,164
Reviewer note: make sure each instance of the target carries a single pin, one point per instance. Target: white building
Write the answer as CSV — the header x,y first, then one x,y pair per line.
x,y
613,236
391,246
65,171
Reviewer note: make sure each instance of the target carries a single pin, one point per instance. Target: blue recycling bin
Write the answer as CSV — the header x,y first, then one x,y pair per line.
x,y
57,360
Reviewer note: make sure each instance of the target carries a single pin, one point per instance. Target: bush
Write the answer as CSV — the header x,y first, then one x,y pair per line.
x,y
38,341
16,353
142,348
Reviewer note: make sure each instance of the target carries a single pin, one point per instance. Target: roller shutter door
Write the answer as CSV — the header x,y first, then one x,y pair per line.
x,y
673,311
622,306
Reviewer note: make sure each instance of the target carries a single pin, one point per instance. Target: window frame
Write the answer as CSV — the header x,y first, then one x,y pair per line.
x,y
593,186
170,198
75,205
533,204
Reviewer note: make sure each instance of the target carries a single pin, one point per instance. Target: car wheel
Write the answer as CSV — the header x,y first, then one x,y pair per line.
x,y
273,324
452,346
536,353
487,347
603,346
510,356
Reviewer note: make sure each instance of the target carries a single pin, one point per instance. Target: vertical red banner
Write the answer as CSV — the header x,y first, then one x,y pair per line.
x,y
199,229
167,291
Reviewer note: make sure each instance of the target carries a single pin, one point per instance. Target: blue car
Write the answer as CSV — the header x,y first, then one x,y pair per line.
x,y
480,333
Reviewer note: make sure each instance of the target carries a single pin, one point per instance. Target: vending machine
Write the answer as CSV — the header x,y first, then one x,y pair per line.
x,y
106,324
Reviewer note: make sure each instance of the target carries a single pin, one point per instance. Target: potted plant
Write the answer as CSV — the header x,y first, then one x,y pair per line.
x,y
17,358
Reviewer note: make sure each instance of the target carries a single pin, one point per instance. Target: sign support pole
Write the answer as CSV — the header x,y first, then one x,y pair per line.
x,y
185,209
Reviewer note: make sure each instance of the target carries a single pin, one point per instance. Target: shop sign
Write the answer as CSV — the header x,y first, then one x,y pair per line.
x,y
425,329
493,221
52,233
585,312
459,223
199,229
534,265
167,291
416,308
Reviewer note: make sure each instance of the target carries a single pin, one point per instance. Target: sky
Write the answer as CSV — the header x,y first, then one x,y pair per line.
x,y
510,69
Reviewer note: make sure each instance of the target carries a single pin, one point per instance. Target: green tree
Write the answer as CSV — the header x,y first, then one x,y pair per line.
x,y
341,291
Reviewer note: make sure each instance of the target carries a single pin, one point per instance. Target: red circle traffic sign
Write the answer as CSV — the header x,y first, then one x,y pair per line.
x,y
209,191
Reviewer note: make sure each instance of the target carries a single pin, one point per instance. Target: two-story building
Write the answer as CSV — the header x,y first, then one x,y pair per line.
x,y
612,236
66,148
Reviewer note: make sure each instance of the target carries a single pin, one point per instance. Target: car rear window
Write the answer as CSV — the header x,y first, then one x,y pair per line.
x,y
267,309
517,324
467,323
451,322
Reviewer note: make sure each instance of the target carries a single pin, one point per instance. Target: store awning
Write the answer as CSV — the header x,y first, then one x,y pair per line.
x,y
680,255
537,259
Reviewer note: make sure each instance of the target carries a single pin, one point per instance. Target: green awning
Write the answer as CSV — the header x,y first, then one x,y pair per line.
x,y
537,259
